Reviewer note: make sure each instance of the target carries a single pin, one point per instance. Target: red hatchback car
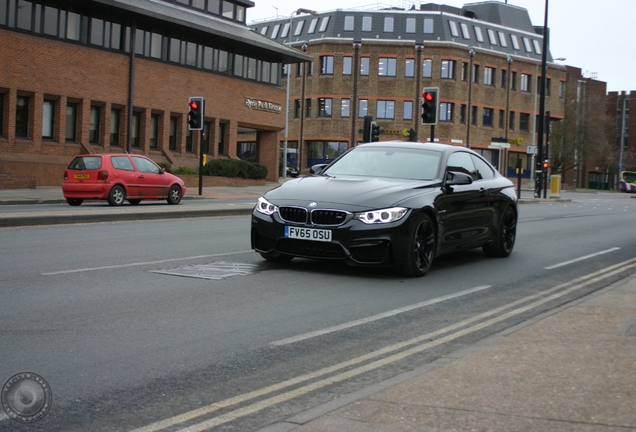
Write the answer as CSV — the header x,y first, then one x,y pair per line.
x,y
117,178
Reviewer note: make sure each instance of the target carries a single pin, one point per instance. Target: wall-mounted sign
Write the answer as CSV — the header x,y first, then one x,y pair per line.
x,y
263,105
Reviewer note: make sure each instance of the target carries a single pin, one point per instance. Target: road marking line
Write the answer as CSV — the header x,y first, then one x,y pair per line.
x,y
143,263
581,258
380,316
225,418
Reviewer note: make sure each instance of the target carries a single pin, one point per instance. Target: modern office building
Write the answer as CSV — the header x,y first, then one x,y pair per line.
x,y
485,58
99,76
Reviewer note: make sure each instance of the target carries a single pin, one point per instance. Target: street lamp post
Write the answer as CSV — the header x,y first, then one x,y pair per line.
x,y
291,16
538,185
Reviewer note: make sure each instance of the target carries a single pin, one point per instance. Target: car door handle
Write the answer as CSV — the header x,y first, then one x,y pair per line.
x,y
141,176
482,191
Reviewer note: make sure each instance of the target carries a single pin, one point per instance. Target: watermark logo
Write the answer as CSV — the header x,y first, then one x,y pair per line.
x,y
26,397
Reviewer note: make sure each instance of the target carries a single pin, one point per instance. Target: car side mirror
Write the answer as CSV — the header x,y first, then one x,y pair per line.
x,y
455,178
317,169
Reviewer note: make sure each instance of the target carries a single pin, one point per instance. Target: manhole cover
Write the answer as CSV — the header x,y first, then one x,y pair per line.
x,y
216,270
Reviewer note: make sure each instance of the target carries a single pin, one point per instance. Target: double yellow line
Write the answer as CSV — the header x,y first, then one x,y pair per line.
x,y
421,343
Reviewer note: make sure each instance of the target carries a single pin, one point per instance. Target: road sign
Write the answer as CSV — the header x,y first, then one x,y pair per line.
x,y
531,150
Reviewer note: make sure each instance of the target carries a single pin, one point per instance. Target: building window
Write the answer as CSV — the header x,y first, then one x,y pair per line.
x,y
326,65
349,23
410,25
364,66
408,110
526,44
307,108
188,141
387,66
464,71
388,24
366,23
22,117
462,114
312,26
136,129
488,115
347,65
561,89
446,111
345,107
475,73
114,126
385,109
154,131
515,42
448,69
491,37
93,126
48,117
502,82
511,120
465,32
409,68
548,81
428,25
323,24
363,105
205,145
502,39
488,76
220,141
174,129
513,81
297,108
524,122
453,28
324,107
299,28
427,68
473,116
71,122
525,83
228,9
478,34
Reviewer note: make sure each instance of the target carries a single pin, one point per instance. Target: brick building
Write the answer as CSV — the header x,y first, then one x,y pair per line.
x,y
618,109
70,84
485,58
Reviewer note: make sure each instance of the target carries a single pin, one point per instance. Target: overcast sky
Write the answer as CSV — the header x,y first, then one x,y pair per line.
x,y
598,36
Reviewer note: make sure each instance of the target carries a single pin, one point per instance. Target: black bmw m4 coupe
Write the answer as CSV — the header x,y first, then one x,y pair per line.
x,y
396,204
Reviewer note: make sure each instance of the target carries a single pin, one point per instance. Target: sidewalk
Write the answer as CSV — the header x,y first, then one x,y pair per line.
x,y
574,370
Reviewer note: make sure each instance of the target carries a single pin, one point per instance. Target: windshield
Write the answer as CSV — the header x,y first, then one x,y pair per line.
x,y
629,176
387,162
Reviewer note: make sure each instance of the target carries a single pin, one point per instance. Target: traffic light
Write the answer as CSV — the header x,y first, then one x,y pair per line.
x,y
375,132
430,104
545,165
366,131
195,113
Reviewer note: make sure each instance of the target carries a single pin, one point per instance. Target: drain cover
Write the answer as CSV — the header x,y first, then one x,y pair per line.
x,y
216,270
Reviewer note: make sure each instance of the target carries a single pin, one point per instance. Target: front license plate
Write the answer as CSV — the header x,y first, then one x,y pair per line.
x,y
82,176
308,234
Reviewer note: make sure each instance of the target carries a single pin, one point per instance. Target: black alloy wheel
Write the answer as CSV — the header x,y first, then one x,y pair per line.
x,y
417,256
506,234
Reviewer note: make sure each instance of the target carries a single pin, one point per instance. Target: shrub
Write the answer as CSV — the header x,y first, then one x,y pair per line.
x,y
186,171
235,168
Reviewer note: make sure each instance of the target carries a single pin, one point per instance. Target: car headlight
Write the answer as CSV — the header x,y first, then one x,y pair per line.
x,y
265,207
381,216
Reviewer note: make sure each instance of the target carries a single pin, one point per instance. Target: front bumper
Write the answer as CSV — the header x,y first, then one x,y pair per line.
x,y
352,241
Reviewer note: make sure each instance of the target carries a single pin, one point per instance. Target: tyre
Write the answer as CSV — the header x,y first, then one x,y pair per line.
x,y
505,236
276,257
74,201
174,195
134,201
416,256
117,196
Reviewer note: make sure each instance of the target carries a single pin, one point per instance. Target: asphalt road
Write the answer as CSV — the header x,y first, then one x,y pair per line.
x,y
133,323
